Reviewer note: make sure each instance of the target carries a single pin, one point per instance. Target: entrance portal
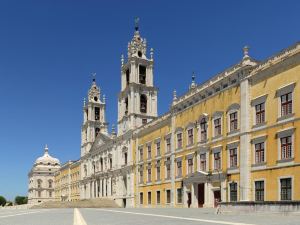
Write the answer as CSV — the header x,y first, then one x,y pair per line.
x,y
200,195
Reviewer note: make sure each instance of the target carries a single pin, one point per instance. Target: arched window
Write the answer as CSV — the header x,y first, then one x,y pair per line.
x,y
126,106
127,77
50,182
97,131
39,183
85,170
143,104
142,74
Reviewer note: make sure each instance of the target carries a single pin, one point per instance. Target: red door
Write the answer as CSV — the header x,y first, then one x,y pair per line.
x,y
200,195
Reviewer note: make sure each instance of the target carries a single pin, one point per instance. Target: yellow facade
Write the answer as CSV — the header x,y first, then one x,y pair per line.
x,y
67,182
241,116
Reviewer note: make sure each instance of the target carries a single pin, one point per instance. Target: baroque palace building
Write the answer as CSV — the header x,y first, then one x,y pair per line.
x,y
233,138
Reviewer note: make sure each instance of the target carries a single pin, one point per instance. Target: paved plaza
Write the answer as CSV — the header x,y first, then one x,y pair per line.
x,y
139,216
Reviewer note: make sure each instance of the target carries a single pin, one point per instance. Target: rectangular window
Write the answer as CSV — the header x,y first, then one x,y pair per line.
x,y
50,194
233,121
179,140
141,198
190,136
125,158
233,157
286,189
158,197
259,152
141,154
203,162
158,173
260,113
149,174
203,129
149,198
179,169
233,192
141,176
286,147
149,151
190,166
286,104
259,190
158,149
168,192
168,168
218,128
217,160
168,142
179,195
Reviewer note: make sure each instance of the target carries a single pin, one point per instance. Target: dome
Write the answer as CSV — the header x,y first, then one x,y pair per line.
x,y
47,159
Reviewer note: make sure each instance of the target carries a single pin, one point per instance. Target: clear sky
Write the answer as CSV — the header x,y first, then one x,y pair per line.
x,y
49,48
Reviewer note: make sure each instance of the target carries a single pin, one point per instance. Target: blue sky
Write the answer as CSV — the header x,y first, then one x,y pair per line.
x,y
49,48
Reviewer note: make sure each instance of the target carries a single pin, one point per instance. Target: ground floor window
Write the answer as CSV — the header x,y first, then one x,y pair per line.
x,y
259,190
233,191
149,197
141,198
158,197
168,192
286,189
179,195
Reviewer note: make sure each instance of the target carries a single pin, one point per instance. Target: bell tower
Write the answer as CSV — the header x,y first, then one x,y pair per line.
x,y
93,118
137,102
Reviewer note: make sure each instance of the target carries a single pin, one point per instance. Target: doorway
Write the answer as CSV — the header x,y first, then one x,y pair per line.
x,y
200,195
124,202
189,201
217,198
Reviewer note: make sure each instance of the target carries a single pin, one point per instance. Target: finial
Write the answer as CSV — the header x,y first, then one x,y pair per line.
x,y
136,23
151,53
122,59
104,99
94,76
193,85
246,52
84,101
46,148
174,95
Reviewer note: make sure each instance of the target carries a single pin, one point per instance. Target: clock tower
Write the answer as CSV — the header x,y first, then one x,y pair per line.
x,y
137,102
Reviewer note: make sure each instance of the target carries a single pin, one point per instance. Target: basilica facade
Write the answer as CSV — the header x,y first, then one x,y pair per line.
x,y
233,138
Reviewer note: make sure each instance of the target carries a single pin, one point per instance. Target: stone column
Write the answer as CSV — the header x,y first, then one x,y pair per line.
x,y
173,191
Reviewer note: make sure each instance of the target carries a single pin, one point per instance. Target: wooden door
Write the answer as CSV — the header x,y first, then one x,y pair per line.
x,y
201,195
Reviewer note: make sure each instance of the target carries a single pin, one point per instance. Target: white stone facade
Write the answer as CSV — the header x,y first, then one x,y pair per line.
x,y
106,160
41,179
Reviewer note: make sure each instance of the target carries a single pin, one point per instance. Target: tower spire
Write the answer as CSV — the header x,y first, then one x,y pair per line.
x,y
136,23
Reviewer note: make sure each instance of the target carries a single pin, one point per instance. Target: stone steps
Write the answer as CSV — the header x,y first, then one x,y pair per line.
x,y
86,203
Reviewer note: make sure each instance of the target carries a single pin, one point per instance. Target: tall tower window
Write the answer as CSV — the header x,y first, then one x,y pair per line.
x,y
97,131
127,76
126,106
97,113
142,74
143,104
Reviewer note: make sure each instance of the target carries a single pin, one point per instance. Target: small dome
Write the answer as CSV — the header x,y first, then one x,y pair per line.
x,y
47,159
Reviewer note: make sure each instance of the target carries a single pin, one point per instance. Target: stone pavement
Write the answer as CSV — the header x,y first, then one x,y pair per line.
x,y
89,216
